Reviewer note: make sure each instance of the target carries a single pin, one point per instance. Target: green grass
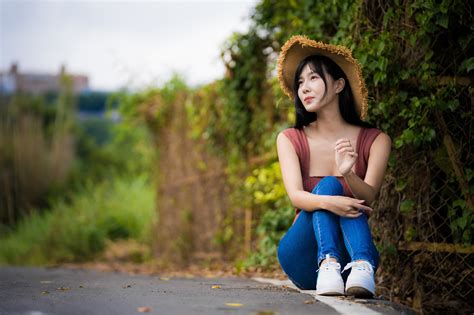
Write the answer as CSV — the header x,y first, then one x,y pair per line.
x,y
78,229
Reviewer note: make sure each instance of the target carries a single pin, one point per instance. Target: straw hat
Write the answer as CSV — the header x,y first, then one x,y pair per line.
x,y
299,47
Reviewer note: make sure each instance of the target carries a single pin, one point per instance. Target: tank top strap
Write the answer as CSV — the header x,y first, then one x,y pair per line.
x,y
298,139
364,143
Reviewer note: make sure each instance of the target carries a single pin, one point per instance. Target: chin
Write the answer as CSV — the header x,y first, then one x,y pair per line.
x,y
312,108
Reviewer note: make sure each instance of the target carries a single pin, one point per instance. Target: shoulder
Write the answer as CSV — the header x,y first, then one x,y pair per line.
x,y
290,139
381,142
372,134
383,137
378,136
288,133
371,139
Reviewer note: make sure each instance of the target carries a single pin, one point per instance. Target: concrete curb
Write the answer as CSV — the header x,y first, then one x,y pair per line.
x,y
345,305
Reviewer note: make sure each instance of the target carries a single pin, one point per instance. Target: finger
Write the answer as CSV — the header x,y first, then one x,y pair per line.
x,y
342,140
354,215
353,211
365,208
342,145
349,150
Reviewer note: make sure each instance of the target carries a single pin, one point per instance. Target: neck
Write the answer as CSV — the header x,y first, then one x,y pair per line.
x,y
329,122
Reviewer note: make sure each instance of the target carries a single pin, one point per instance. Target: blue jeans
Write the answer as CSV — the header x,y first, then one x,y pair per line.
x,y
317,233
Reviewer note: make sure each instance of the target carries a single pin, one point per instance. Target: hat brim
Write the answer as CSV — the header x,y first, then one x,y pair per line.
x,y
299,47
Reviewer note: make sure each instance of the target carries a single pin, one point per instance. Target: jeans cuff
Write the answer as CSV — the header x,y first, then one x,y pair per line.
x,y
369,260
331,255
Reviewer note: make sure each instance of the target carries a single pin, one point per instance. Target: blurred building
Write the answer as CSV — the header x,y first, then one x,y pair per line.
x,y
38,83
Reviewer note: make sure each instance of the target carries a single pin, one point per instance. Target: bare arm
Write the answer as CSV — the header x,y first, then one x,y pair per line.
x,y
291,173
369,188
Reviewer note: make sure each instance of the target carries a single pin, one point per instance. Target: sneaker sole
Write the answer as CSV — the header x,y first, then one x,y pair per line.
x,y
330,293
359,292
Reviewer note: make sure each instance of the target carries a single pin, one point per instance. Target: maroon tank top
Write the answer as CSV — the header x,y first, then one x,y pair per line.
x,y
300,143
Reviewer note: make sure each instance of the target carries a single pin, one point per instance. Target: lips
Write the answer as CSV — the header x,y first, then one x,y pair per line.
x,y
308,99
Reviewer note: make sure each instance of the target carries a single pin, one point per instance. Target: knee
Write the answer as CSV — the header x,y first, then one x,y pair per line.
x,y
328,185
283,253
286,255
289,264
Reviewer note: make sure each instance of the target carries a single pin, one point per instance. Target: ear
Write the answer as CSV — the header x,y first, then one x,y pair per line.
x,y
339,85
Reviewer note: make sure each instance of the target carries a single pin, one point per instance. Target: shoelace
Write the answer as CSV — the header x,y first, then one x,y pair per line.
x,y
329,265
360,265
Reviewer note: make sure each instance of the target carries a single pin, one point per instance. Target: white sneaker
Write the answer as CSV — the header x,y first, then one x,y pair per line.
x,y
360,282
329,279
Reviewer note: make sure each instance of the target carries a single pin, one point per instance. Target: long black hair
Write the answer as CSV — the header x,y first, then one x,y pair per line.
x,y
321,65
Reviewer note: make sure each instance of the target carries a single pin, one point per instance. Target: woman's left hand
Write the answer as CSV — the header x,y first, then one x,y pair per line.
x,y
345,156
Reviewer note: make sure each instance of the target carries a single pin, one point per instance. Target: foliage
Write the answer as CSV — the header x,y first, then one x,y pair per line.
x,y
267,196
36,150
417,61
77,229
401,48
103,195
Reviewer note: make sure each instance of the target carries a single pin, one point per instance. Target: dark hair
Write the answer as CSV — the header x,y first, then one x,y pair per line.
x,y
321,65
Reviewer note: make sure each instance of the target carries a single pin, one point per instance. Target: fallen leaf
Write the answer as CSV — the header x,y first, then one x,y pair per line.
x,y
127,286
144,309
81,286
45,292
62,289
46,281
234,304
309,302
216,287
164,279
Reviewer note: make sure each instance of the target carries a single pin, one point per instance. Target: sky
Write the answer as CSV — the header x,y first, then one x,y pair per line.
x,y
119,44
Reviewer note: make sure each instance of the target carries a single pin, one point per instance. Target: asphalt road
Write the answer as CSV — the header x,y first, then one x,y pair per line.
x,y
37,291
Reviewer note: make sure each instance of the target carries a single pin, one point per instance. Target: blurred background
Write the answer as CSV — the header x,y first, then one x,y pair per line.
x,y
143,134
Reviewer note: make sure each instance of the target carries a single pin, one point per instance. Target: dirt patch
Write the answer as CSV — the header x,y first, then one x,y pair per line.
x,y
131,257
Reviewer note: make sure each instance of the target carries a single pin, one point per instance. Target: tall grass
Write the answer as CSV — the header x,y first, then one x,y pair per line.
x,y
37,152
77,230
30,164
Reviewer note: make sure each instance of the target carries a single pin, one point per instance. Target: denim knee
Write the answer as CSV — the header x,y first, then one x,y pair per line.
x,y
286,258
329,186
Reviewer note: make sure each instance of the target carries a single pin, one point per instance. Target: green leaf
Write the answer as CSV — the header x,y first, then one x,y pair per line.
x,y
443,21
406,207
459,203
462,222
400,185
410,234
380,47
467,65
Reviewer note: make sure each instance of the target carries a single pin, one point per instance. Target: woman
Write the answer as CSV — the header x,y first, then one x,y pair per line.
x,y
333,165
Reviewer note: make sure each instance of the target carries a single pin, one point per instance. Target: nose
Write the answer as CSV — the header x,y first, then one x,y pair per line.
x,y
303,87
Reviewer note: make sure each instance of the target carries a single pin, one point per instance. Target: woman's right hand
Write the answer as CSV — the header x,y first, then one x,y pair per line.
x,y
345,206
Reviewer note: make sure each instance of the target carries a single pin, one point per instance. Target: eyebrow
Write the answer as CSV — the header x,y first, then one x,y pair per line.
x,y
310,72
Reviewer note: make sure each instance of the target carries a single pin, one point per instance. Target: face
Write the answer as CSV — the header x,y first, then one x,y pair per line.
x,y
311,89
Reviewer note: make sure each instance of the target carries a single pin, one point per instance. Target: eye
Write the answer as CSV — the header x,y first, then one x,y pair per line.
x,y
314,76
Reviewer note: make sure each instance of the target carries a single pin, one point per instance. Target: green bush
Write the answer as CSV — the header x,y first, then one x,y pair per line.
x,y
77,230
